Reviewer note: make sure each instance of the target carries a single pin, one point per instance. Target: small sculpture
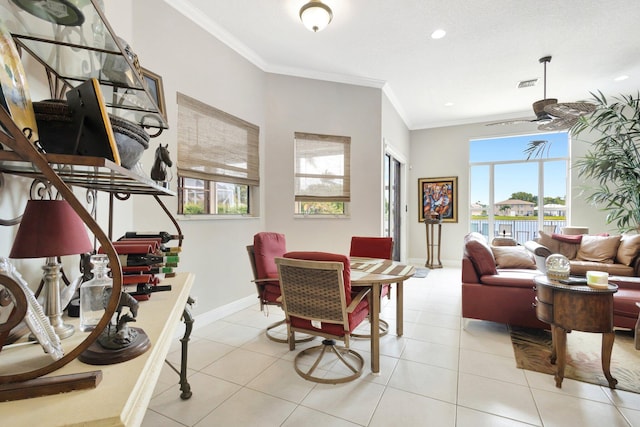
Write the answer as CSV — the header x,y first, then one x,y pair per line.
x,y
162,160
121,336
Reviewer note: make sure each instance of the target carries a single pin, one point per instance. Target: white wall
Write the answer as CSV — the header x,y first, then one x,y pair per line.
x,y
444,151
193,62
304,105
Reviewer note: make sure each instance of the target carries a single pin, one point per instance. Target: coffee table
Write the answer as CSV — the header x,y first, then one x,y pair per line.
x,y
580,308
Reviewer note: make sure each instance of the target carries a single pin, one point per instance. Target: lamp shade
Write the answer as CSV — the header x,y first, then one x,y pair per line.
x,y
315,15
50,228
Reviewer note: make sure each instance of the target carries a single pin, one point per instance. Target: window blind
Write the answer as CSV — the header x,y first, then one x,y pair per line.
x,y
322,169
216,146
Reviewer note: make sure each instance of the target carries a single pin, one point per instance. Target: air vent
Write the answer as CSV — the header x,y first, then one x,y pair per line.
x,y
527,83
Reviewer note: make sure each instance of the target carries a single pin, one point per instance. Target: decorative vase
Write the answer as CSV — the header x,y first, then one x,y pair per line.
x,y
557,266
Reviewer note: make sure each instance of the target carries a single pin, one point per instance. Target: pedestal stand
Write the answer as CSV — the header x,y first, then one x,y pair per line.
x,y
431,241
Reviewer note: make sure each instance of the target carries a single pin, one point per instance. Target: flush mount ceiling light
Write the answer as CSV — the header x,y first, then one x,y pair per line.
x,y
315,15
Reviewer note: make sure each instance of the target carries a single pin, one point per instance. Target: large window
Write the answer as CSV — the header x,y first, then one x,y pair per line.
x,y
218,161
515,197
322,174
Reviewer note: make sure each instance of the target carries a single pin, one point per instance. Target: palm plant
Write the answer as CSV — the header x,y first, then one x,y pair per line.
x,y
613,161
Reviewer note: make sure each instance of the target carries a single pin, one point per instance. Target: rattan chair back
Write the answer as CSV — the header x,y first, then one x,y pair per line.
x,y
313,290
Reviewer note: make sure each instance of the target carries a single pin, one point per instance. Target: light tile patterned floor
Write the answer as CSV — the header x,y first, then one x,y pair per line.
x,y
437,374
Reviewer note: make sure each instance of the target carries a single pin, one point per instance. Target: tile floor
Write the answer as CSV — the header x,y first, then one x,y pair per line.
x,y
437,374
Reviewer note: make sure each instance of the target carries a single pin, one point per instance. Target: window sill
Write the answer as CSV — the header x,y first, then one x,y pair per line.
x,y
209,217
299,216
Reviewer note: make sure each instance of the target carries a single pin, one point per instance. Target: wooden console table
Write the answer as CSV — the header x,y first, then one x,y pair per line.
x,y
122,397
580,308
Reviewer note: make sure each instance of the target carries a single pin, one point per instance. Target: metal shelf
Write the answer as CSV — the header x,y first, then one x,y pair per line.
x,y
74,50
93,173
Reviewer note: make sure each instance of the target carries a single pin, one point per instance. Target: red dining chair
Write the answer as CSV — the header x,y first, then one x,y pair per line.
x,y
374,247
317,299
266,247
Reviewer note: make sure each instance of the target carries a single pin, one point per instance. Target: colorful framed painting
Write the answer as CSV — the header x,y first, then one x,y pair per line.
x,y
438,198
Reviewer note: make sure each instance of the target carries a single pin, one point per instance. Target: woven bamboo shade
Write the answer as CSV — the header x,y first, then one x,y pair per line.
x,y
216,146
322,169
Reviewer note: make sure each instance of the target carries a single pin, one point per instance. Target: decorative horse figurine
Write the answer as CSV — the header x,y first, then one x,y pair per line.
x,y
162,160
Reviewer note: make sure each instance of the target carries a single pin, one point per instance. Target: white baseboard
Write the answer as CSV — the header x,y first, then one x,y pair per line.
x,y
217,313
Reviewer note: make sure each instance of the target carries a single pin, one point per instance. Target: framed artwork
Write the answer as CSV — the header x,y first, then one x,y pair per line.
x,y
438,198
154,83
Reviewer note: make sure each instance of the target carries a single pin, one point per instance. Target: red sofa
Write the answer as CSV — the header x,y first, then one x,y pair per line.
x,y
507,295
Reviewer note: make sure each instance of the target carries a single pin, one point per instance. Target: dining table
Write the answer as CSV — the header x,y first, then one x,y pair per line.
x,y
373,273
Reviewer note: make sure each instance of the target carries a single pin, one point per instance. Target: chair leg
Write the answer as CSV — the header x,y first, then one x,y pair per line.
x,y
384,329
304,338
342,353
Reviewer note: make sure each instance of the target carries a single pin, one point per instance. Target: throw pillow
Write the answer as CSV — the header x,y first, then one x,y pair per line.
x,y
628,249
568,238
558,247
479,252
513,257
598,248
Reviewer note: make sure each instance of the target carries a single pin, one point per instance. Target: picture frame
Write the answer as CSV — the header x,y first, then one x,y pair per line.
x,y
438,196
154,84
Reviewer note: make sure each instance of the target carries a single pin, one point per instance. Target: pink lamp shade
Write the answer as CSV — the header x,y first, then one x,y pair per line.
x,y
50,228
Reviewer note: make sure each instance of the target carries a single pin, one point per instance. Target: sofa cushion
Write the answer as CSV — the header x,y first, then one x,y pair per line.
x,y
513,257
517,278
558,246
628,249
580,268
598,248
625,303
479,252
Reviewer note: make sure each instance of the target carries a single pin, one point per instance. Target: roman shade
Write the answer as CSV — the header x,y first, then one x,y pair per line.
x,y
216,146
322,168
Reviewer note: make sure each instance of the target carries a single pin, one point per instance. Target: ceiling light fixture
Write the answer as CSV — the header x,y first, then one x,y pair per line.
x,y
438,34
315,15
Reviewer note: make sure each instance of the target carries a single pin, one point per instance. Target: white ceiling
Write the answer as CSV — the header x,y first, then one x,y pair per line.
x,y
490,46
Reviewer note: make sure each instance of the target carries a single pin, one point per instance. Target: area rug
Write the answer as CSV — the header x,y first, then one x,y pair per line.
x,y
421,273
532,348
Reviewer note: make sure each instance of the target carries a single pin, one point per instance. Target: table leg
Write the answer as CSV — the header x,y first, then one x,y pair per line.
x,y
399,309
560,344
375,328
185,387
554,353
607,346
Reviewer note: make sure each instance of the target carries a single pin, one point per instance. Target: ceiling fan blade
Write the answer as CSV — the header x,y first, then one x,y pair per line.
x,y
561,123
511,122
570,109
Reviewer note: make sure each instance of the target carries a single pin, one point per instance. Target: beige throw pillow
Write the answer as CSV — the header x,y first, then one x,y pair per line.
x,y
513,257
598,248
628,249
557,246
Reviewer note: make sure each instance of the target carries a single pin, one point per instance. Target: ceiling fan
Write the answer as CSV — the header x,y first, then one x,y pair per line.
x,y
550,114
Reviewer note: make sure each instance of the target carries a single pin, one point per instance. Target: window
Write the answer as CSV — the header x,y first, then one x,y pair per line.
x,y
515,197
218,160
322,174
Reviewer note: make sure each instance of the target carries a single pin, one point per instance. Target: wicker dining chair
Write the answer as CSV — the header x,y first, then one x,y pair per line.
x,y
317,300
374,247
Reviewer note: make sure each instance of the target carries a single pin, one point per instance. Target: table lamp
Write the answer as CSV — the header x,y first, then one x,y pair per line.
x,y
51,228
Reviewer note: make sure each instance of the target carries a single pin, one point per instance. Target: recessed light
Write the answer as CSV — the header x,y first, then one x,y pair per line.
x,y
448,104
438,34
621,78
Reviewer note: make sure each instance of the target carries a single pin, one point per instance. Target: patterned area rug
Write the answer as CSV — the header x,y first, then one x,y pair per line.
x,y
532,348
